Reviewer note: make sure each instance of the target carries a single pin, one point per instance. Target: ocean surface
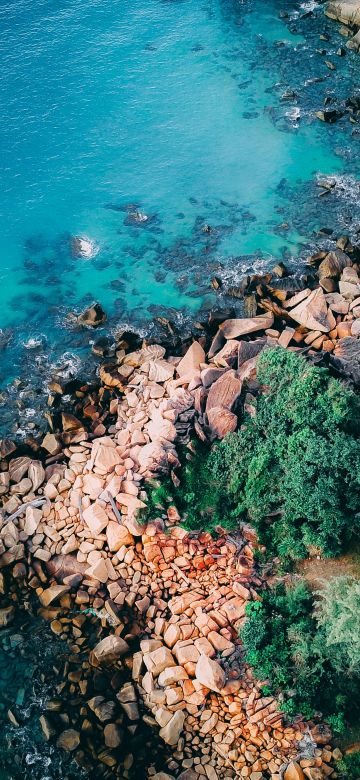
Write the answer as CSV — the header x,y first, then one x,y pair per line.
x,y
173,109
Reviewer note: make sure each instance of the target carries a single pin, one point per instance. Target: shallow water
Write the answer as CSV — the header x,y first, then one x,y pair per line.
x,y
172,108
29,653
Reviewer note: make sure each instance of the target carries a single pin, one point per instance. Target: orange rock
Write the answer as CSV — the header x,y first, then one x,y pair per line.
x,y
294,772
210,673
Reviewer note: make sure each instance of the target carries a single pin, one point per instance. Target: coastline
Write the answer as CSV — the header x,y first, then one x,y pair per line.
x,y
166,603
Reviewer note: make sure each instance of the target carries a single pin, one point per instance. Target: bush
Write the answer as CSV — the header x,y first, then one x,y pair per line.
x,y
337,614
285,642
349,766
293,470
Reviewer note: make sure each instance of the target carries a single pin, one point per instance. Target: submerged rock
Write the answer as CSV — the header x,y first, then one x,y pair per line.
x,y
83,247
92,317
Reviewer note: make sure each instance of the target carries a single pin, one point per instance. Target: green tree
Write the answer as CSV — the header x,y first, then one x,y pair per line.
x,y
338,617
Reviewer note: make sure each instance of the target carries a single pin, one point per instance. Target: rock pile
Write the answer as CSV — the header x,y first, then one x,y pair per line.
x,y
170,603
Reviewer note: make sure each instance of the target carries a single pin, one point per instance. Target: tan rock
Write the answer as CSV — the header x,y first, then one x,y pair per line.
x,y
294,772
110,649
158,660
313,312
52,594
232,329
92,485
33,517
98,571
117,535
173,729
191,360
160,371
172,675
210,673
36,473
51,444
106,458
96,518
153,458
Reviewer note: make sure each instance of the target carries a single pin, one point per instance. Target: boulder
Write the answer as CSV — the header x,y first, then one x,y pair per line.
x,y
345,11
82,247
6,615
33,517
158,660
210,673
92,317
68,740
225,392
313,312
191,360
18,467
117,535
51,444
221,421
52,594
171,675
36,473
62,566
294,772
110,649
95,518
172,731
112,735
334,264
153,458
346,357
232,329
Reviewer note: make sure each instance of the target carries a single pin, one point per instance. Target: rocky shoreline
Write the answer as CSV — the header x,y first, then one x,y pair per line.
x,y
151,613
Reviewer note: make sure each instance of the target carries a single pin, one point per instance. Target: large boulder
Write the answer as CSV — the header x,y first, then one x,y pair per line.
x,y
93,316
210,673
191,360
313,312
232,329
346,357
221,421
110,649
225,392
294,772
345,11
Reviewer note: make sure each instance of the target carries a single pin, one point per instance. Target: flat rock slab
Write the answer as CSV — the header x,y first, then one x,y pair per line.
x,y
232,329
221,421
313,313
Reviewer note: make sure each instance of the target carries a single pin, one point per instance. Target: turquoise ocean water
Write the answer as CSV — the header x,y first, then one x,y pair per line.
x,y
169,107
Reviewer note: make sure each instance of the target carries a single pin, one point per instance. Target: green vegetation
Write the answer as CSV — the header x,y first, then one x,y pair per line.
x,y
292,470
349,766
310,656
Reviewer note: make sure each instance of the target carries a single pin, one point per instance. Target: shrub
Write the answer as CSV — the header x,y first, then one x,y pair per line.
x,y
285,642
293,470
349,766
337,614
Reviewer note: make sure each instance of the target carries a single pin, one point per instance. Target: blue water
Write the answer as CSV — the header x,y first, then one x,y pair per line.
x,y
174,106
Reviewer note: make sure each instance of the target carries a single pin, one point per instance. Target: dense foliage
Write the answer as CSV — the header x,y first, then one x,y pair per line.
x,y
338,617
288,645
292,470
349,766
